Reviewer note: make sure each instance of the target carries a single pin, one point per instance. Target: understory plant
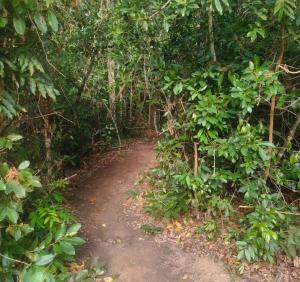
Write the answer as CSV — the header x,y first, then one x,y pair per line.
x,y
32,250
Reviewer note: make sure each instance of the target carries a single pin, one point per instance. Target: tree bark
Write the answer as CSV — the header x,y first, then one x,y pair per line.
x,y
131,103
111,86
48,141
211,34
196,161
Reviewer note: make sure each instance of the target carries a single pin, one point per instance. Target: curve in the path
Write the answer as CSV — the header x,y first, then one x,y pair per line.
x,y
128,252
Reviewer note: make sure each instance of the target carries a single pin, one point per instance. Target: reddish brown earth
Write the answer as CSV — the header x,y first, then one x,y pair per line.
x,y
102,201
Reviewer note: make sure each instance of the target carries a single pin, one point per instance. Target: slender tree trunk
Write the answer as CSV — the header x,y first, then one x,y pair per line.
x,y
196,161
120,95
43,107
111,86
148,93
273,99
47,141
131,103
111,73
211,34
155,122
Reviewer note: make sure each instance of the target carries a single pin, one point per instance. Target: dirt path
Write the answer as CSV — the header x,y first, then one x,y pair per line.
x,y
128,252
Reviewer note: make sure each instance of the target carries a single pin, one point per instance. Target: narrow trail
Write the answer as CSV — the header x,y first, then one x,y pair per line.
x,y
125,251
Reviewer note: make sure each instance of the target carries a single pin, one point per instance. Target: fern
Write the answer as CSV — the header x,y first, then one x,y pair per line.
x,y
285,8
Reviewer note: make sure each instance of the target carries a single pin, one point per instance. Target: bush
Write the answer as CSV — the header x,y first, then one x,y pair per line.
x,y
221,120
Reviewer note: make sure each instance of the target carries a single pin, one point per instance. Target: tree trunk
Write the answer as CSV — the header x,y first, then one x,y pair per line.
x,y
111,86
47,141
196,160
273,99
211,34
111,73
131,103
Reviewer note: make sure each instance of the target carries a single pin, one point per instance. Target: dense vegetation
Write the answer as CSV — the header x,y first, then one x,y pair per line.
x,y
218,77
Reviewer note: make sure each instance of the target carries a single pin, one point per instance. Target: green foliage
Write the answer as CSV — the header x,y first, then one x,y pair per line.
x,y
221,116
28,249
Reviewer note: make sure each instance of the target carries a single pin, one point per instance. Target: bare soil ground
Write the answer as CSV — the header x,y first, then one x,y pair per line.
x,y
112,227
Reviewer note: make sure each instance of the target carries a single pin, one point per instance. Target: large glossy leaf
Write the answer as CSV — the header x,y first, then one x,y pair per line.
x,y
72,230
75,241
61,232
23,165
44,260
67,248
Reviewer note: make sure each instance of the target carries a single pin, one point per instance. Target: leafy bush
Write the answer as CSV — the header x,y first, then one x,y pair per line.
x,y
36,249
233,158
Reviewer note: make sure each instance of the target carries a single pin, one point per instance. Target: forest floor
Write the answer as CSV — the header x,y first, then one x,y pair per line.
x,y
103,202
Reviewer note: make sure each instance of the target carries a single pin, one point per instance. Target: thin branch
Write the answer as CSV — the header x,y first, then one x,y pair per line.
x,y
15,260
285,68
50,114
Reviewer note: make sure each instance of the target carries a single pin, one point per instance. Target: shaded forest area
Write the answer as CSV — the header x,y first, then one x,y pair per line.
x,y
217,80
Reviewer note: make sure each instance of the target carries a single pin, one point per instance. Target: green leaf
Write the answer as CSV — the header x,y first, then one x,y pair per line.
x,y
52,20
36,182
3,22
34,275
61,232
10,213
19,25
72,230
40,23
178,88
32,85
16,188
263,154
67,248
44,260
26,228
14,137
2,186
219,6
23,165
75,241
